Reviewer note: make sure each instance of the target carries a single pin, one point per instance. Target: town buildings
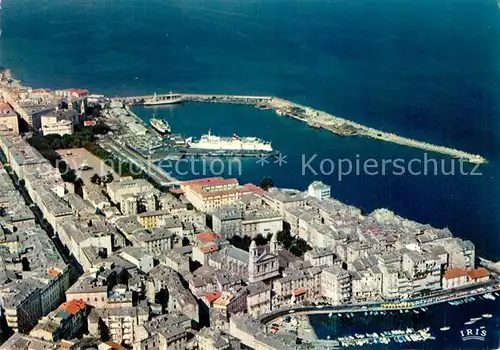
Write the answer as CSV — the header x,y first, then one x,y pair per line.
x,y
208,195
140,252
51,124
248,216
9,124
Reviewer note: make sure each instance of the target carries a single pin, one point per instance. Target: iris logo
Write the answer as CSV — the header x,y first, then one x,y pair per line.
x,y
473,334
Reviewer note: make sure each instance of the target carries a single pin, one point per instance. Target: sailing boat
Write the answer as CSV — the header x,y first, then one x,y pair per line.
x,y
445,327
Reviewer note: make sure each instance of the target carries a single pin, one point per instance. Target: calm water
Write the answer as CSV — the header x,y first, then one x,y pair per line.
x,y
435,318
426,69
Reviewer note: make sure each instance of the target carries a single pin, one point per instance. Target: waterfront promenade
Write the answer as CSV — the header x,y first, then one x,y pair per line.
x,y
314,118
469,291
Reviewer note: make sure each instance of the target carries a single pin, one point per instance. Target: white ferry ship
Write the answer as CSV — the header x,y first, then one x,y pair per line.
x,y
166,100
160,125
234,143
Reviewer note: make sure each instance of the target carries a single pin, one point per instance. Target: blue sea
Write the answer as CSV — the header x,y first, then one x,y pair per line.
x,y
427,69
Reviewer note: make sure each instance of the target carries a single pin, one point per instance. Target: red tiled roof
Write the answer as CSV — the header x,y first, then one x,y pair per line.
x,y
207,237
212,181
221,192
454,272
211,297
78,91
209,248
73,306
254,188
478,273
299,291
53,271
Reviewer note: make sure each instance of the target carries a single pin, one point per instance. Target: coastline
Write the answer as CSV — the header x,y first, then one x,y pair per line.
x,y
315,119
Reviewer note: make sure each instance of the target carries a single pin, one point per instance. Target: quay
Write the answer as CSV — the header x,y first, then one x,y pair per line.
x,y
149,167
470,291
314,118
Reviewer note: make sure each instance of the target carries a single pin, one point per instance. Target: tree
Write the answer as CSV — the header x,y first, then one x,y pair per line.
x,y
241,242
296,245
95,179
285,238
109,177
79,187
261,240
100,128
266,183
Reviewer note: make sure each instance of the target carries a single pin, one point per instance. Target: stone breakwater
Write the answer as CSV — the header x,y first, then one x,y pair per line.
x,y
316,119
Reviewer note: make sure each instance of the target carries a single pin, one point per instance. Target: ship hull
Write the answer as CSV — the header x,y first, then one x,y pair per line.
x,y
235,144
163,102
160,130
204,147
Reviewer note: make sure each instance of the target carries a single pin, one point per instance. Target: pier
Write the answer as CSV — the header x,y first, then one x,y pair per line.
x,y
314,118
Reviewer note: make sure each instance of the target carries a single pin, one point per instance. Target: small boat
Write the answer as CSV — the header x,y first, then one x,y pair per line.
x,y
423,309
444,329
489,296
415,311
469,322
330,314
487,315
475,319
352,315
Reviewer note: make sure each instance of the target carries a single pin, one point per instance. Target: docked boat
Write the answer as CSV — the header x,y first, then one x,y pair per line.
x,y
487,316
234,143
489,296
164,100
330,314
445,327
468,323
160,125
